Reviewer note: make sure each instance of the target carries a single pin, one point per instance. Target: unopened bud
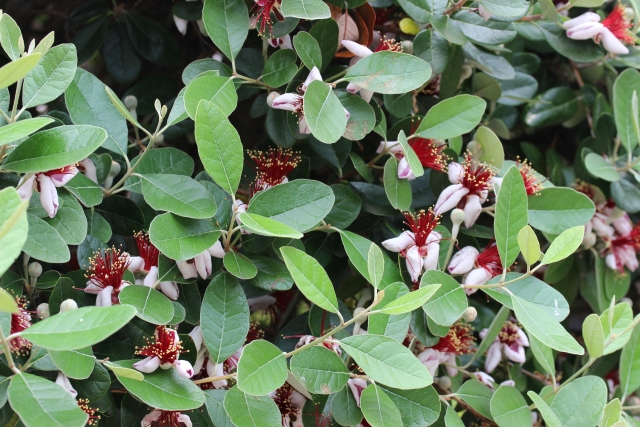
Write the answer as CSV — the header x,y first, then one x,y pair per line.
x,y
409,26
43,311
217,57
271,97
470,314
21,44
159,139
444,382
35,270
627,300
589,240
163,111
629,13
131,102
457,216
115,169
32,46
407,47
634,401
68,304
157,105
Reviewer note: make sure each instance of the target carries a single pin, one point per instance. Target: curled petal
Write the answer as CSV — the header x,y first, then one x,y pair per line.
x,y
623,225
356,48
353,88
89,169
170,289
430,261
347,113
136,264
404,171
414,263
203,264
61,179
523,339
216,370
181,24
197,337
494,355
183,368
26,190
314,74
152,277
600,226
454,172
92,288
430,358
514,354
187,269
485,378
104,297
148,364
585,31
151,417
261,303
400,243
585,17
449,359
48,195
217,250
611,43
477,276
184,419
63,381
366,94
303,127
610,260
434,236
472,210
391,147
357,386
287,101
463,261
450,197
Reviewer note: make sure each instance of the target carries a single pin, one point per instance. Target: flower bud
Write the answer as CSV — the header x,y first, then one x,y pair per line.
x,y
131,102
628,301
470,314
407,47
409,26
43,310
444,382
163,111
457,216
158,106
629,13
35,270
115,169
589,240
68,304
466,72
159,139
273,95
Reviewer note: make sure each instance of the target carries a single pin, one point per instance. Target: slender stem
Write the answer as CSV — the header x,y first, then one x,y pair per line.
x,y
130,170
212,379
250,80
340,74
7,351
452,243
15,101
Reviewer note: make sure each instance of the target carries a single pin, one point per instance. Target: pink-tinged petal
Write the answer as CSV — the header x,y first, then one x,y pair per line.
x,y
631,263
523,339
152,277
261,303
585,17
514,354
430,358
483,333
477,276
287,101
508,383
390,147
430,261
404,171
92,288
462,262
26,190
273,42
434,237
48,195
612,44
449,360
623,225
610,260
414,263
366,94
303,127
181,24
285,42
151,417
450,197
187,269
183,368
216,370
199,362
472,210
347,113
485,379
357,386
203,264
63,381
356,48
104,297
170,289
89,169
602,229
61,179
454,172
494,355
400,243
353,88
136,264
585,31
217,250
196,336
184,419
148,364
314,74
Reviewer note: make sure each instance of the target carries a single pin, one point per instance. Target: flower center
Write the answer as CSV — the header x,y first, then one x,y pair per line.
x,y
107,268
147,250
167,419
475,176
282,397
489,259
509,334
421,224
531,182
263,9
272,167
19,322
459,339
618,24
93,418
165,347
390,45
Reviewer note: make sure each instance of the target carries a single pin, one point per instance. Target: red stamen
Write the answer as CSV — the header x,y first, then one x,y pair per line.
x,y
509,333
531,181
632,239
93,419
107,269
263,9
429,153
459,340
147,250
19,322
475,176
166,347
282,397
422,224
62,171
489,259
390,45
167,419
272,167
619,25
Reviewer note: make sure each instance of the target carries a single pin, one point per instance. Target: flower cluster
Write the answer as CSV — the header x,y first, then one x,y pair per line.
x,y
163,352
614,32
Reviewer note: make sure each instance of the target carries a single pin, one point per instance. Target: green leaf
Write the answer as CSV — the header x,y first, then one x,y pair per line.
x,y
219,91
411,301
69,221
509,408
555,106
151,40
224,317
251,411
492,32
265,226
300,204
490,146
614,323
430,46
160,161
543,355
564,245
398,190
324,113
593,336
281,67
239,265
51,77
320,370
554,210
10,36
547,413
478,396
8,302
394,326
387,361
262,368
123,110
215,408
418,408
627,83
529,245
182,238
308,50
89,104
600,167
452,117
505,8
629,372
519,89
375,265
122,372
40,402
16,70
611,414
74,329
378,409
178,194
411,156
542,326
219,146
389,72
151,305
305,9
326,33
86,191
77,364
44,243
13,232
310,277
510,215
227,23
344,408
120,57
23,128
448,303
163,389
452,419
55,148
357,248
362,118
580,403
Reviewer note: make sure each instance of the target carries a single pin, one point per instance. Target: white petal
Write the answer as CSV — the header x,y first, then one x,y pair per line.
x,y
430,358
147,365
26,190
303,127
612,44
89,169
151,417
287,101
353,88
61,179
356,48
400,243
477,276
170,289
203,264
357,386
494,355
454,172
523,339
404,171
366,94
472,210
183,368
187,269
585,17
610,260
414,263
585,31
450,197
196,336
48,195
63,381
152,277
217,250
92,288
104,297
485,378
314,74
347,113
184,419
285,42
181,24
261,303
462,262
136,264
433,254
623,225
515,355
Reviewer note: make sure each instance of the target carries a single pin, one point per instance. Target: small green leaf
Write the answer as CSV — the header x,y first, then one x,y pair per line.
x,y
564,245
615,321
629,363
219,91
611,414
627,83
378,409
11,36
178,194
593,335
51,77
13,235
152,306
398,190
492,151
452,117
478,396
324,113
251,411
320,370
280,68
123,110
77,364
529,245
600,167
510,216
262,368
17,69
227,23
23,128
124,372
449,301
412,157
509,408
182,238
543,355
452,419
411,301
265,226
375,265
239,265
308,50
305,9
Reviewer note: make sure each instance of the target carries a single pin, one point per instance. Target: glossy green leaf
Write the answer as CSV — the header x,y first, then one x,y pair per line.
x,y
239,265
375,265
280,68
394,326
17,69
564,245
10,36
320,370
51,77
152,306
417,407
476,28
389,72
629,372
398,190
580,403
452,117
505,8
411,301
69,221
227,23
378,409
448,303
615,321
624,87
44,243
410,155
344,408
529,245
215,408
509,408
305,9
178,194
611,414
23,128
219,91
593,335
77,364
251,411
555,106
547,413
478,396
182,238
324,113
599,167
265,226
13,232
308,50
490,146
510,215
554,210
262,368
